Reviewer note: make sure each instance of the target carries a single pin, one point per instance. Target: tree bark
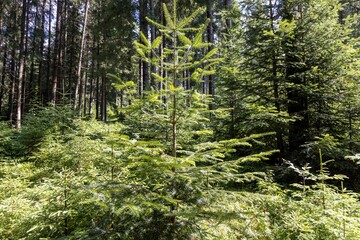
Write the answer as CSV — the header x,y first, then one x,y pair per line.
x,y
20,77
57,52
4,57
77,100
92,78
39,86
3,76
103,99
48,72
144,66
153,37
210,39
12,88
32,88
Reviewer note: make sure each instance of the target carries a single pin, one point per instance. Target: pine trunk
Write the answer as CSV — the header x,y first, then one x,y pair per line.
x,y
77,100
144,66
103,99
12,88
20,76
48,72
3,76
57,52
3,48
210,39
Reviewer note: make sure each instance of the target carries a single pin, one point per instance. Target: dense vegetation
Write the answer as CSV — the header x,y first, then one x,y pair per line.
x,y
204,120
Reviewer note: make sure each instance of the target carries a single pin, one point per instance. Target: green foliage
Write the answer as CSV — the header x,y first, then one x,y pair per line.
x,y
38,124
90,181
167,170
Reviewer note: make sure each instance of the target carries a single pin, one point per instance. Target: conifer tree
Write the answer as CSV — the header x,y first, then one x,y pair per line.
x,y
284,74
178,57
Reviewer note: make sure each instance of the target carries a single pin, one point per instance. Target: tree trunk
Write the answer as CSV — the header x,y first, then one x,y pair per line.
x,y
210,39
4,56
103,99
39,86
153,37
12,88
57,52
84,91
20,77
77,100
144,66
3,76
48,72
97,114
92,78
32,87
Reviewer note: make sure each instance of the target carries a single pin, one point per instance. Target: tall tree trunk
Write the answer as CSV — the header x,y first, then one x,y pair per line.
x,y
98,100
39,87
92,78
77,100
25,93
3,76
12,87
48,72
103,99
64,69
84,90
57,52
144,66
210,39
4,57
20,77
153,36
32,87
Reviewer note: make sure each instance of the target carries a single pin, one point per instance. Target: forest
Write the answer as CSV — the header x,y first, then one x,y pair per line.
x,y
180,119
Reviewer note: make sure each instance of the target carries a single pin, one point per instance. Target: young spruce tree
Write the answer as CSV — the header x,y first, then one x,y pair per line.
x,y
185,172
